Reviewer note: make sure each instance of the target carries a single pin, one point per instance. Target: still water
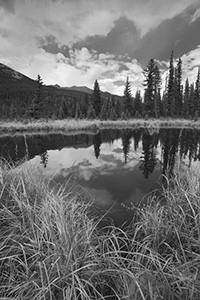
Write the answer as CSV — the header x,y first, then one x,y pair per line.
x,y
118,168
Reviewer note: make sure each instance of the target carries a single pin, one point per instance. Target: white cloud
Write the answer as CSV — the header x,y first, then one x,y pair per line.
x,y
191,62
68,22
81,68
195,16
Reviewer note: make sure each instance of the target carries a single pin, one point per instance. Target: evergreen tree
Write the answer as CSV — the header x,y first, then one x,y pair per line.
x,y
96,99
152,84
85,106
12,113
191,101
197,92
164,105
186,99
158,104
128,100
37,105
170,88
119,107
111,108
178,89
91,112
104,110
113,115
138,103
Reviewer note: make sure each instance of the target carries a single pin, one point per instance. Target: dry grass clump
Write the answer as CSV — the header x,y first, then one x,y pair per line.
x,y
169,236
51,246
80,125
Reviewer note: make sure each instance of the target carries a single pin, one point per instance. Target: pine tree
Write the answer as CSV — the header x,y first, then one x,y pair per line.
x,y
152,84
12,112
113,115
178,90
91,112
128,100
197,92
111,108
104,110
158,104
186,104
85,106
37,105
170,88
191,101
96,99
138,103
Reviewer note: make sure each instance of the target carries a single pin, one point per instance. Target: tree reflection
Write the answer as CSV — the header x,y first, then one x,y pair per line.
x,y
189,144
170,143
148,157
126,142
137,137
44,158
97,144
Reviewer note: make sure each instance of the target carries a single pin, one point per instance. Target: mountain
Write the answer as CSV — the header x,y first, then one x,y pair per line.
x,y
14,80
87,90
10,78
17,94
83,89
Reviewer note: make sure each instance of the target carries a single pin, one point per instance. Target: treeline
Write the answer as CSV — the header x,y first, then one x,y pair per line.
x,y
178,100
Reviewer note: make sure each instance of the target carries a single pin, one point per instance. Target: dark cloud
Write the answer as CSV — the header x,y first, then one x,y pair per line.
x,y
50,45
122,39
176,34
119,82
8,5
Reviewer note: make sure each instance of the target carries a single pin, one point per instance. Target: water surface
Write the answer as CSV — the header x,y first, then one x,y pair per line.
x,y
118,168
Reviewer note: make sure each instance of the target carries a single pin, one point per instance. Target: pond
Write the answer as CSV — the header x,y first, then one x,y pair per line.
x,y
119,168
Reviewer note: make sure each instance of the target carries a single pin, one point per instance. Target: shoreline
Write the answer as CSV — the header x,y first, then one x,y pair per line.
x,y
93,126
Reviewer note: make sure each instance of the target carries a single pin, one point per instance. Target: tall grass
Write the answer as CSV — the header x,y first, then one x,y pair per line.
x,y
93,126
52,248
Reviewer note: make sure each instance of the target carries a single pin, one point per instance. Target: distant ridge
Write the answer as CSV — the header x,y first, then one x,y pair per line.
x,y
83,89
14,80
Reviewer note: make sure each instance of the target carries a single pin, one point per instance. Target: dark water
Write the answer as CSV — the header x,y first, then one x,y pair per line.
x,y
118,168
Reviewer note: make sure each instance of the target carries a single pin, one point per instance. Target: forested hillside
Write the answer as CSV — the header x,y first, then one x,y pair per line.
x,y
22,97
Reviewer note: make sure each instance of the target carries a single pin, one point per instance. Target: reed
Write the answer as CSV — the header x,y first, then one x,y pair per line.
x,y
80,125
52,248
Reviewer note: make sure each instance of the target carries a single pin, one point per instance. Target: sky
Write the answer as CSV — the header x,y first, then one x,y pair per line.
x,y
75,42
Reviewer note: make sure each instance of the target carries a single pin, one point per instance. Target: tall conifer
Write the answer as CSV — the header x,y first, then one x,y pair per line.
x,y
170,88
128,100
152,84
186,104
96,99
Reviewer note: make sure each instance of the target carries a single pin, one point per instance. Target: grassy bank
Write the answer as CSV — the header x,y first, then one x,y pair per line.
x,y
72,125
50,248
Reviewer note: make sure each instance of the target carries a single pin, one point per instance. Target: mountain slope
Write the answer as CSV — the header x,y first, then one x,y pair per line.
x,y
13,80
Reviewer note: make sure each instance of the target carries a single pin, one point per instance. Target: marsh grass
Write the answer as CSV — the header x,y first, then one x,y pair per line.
x,y
52,248
91,126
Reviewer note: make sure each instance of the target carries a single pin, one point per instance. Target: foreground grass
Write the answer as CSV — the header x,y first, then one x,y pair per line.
x,y
72,125
51,247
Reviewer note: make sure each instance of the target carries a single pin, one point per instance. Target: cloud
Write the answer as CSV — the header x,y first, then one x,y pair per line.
x,y
8,5
81,68
118,25
191,62
195,16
